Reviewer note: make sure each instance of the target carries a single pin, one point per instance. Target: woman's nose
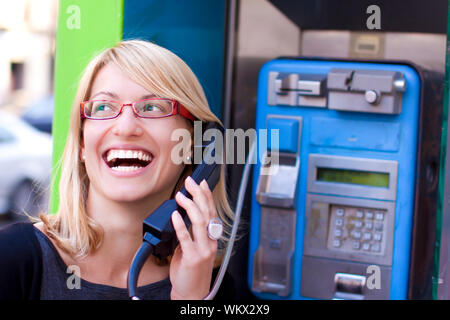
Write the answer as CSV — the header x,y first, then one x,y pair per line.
x,y
127,123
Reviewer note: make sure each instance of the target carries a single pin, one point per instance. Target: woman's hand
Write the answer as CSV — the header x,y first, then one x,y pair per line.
x,y
193,260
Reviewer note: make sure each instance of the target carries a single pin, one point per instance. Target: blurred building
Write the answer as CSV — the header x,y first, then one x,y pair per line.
x,y
27,33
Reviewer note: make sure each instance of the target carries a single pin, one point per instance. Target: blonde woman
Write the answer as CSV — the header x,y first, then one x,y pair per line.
x,y
116,169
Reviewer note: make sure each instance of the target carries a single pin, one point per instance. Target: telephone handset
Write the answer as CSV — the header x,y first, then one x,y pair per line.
x,y
158,223
159,235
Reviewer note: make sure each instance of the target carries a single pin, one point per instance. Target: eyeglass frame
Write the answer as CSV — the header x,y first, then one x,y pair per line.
x,y
177,108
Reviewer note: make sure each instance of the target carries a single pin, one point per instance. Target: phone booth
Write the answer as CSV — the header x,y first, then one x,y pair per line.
x,y
334,217
350,209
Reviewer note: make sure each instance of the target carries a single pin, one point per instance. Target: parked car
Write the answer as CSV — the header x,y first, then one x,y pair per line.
x,y
40,114
25,166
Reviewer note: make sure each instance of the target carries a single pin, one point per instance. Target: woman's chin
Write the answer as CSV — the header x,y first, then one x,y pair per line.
x,y
127,197
130,196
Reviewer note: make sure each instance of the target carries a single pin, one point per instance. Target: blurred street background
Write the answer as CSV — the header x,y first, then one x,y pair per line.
x,y
27,42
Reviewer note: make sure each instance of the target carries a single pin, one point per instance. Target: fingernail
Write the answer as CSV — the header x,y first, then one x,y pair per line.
x,y
175,215
179,194
205,183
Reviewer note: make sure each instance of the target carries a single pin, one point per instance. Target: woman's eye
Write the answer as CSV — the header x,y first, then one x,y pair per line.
x,y
151,107
102,107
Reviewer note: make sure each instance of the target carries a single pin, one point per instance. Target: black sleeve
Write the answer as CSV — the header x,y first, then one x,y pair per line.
x,y
20,263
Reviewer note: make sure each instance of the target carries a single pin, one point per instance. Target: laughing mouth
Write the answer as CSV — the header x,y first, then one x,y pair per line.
x,y
127,160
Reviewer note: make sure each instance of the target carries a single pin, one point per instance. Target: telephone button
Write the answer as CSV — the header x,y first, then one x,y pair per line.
x,y
356,235
378,226
358,224
379,216
377,237
359,214
376,247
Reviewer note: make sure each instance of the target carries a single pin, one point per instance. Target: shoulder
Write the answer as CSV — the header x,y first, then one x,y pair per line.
x,y
20,261
17,238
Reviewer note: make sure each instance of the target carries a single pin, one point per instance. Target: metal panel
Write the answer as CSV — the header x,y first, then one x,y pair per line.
x,y
426,50
272,269
318,279
318,224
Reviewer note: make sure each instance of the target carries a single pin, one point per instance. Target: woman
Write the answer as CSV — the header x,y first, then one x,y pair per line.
x,y
116,169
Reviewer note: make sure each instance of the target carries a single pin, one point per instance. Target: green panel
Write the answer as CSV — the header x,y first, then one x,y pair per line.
x,y
367,178
443,159
85,27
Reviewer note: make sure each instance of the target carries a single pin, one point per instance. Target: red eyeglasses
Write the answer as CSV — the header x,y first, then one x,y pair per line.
x,y
148,108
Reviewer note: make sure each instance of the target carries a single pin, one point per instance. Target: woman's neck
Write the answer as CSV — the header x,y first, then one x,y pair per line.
x,y
122,226
123,217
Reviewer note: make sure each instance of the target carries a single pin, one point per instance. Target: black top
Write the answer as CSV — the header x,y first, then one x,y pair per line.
x,y
31,268
62,282
20,263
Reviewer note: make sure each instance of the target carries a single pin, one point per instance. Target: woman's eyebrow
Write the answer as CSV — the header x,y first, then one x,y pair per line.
x,y
148,96
115,96
107,93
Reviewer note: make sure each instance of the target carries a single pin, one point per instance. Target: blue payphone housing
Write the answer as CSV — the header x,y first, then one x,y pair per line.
x,y
333,204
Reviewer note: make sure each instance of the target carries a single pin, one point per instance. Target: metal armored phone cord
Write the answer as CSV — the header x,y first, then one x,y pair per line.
x,y
146,248
239,204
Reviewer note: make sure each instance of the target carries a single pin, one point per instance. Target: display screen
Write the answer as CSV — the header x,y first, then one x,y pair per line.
x,y
367,178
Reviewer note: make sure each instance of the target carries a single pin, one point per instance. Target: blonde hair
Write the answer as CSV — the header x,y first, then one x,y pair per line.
x,y
160,72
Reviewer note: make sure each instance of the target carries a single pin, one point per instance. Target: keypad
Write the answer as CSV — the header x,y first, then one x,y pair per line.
x,y
357,229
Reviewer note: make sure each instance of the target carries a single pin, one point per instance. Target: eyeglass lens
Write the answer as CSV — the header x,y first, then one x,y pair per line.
x,y
102,109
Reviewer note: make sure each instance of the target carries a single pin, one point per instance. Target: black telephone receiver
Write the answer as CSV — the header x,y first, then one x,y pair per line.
x,y
159,235
158,223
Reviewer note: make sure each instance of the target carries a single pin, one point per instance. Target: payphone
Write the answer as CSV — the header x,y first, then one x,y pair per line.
x,y
335,220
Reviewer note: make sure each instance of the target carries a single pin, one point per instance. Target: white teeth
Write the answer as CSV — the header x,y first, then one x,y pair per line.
x,y
109,156
127,154
126,168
